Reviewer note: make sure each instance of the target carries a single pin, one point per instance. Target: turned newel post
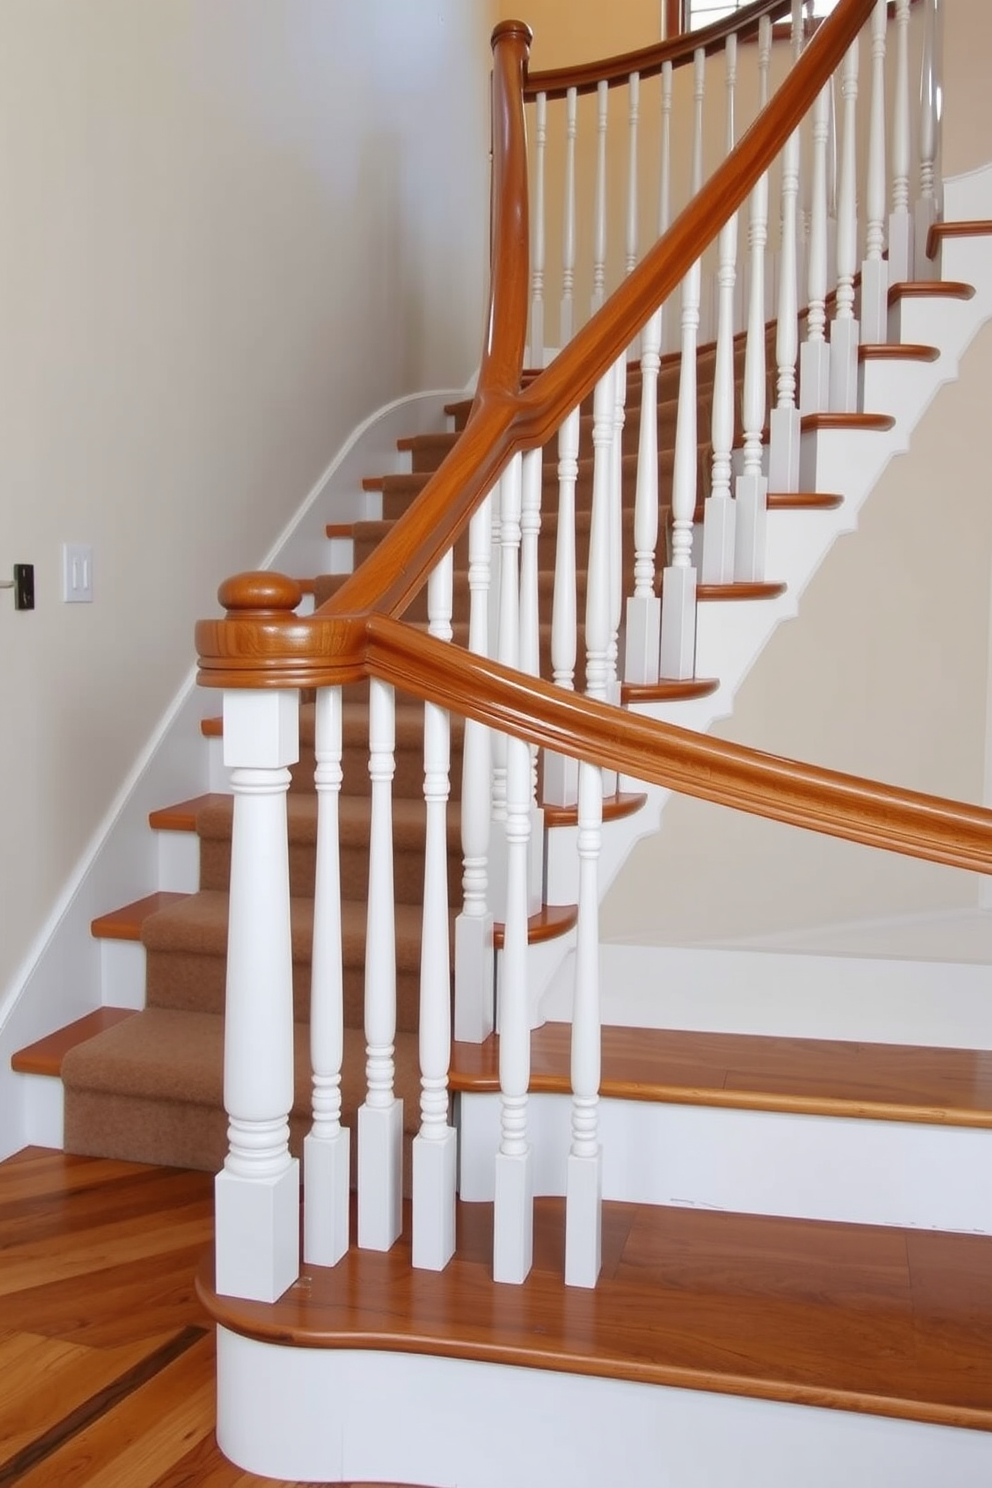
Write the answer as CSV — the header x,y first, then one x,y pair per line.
x,y
258,1190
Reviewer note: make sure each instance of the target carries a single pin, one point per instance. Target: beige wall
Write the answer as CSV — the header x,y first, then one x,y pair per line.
x,y
230,231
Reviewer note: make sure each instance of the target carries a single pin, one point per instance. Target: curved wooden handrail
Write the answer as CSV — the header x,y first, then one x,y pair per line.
x,y
647,62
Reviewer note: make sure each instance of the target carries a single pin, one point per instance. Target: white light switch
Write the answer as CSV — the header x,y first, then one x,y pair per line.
x,y
77,573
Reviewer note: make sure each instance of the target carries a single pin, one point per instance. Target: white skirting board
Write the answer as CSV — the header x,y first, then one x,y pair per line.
x,y
317,1415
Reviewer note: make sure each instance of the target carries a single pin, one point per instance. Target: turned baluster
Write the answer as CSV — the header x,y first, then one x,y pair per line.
x,y
584,1182
474,969
678,594
644,606
720,513
257,1193
598,576
875,268
327,1147
529,660
568,223
783,449
537,248
929,204
599,222
561,780
901,245
814,357
380,1119
665,166
435,1146
845,330
633,185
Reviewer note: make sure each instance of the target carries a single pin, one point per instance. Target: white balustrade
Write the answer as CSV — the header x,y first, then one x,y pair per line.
x,y
257,1193
380,1118
538,248
529,657
508,652
814,363
875,268
474,964
665,157
643,629
783,447
584,1182
599,221
327,1147
845,331
598,573
901,245
568,223
929,201
561,779
720,512
678,593
633,179
435,1146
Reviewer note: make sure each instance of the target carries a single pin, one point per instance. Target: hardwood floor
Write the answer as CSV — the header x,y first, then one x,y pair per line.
x,y
106,1355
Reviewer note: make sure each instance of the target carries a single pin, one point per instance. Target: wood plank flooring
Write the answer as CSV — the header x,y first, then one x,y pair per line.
x,y
106,1354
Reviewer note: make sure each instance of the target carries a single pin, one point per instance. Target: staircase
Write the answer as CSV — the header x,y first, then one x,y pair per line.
x,y
890,1133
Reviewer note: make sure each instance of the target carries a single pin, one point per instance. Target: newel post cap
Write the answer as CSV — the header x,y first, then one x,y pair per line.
x,y
259,593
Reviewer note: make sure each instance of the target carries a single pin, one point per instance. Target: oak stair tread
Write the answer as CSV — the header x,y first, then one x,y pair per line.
x,y
45,1055
127,922
937,289
886,1082
615,808
978,227
668,690
859,1318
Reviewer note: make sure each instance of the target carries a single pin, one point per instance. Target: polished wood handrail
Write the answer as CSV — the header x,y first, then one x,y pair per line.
x,y
648,61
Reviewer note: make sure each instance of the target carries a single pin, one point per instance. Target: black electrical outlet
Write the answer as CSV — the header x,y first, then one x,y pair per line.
x,y
23,586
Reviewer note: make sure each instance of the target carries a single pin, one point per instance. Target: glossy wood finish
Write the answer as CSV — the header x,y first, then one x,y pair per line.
x,y
182,816
615,808
922,289
878,423
881,1321
668,690
125,923
941,231
897,351
550,921
803,500
107,1356
741,589
45,1055
823,1077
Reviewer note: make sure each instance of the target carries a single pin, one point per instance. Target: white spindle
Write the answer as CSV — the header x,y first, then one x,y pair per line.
x,y
783,454
560,771
720,512
599,224
901,247
665,169
678,594
513,1219
598,577
814,365
327,1147
583,1203
875,269
633,180
380,1119
474,970
644,607
532,477
845,331
435,1146
538,250
568,223
508,652
698,101
257,1192
752,486
928,204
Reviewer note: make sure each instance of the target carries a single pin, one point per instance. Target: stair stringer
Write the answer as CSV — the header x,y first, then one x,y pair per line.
x,y
67,973
847,461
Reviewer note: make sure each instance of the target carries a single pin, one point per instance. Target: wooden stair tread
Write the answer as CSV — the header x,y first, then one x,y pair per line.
x,y
668,690
45,1055
126,923
803,500
733,1303
887,1082
550,921
615,808
897,351
872,422
182,816
976,228
937,289
741,589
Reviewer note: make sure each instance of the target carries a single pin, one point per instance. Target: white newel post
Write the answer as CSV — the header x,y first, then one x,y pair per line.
x,y
643,630
568,224
380,1119
327,1147
752,485
845,330
814,357
561,777
875,268
928,205
538,249
599,223
901,247
584,1182
474,961
435,1146
513,1219
258,1190
720,513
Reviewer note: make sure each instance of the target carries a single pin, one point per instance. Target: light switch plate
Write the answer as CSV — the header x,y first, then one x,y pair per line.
x,y
77,573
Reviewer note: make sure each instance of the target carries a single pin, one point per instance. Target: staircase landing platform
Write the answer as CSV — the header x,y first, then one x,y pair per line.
x,y
863,1319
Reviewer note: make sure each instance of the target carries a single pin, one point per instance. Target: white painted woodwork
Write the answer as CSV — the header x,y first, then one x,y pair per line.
x,y
633,178
508,533
720,512
258,1190
513,1219
678,595
616,525
539,233
901,245
561,778
845,331
435,1146
783,453
665,163
327,1146
643,628
875,268
568,224
598,575
599,218
380,1119
584,1185
532,475
931,100
814,357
